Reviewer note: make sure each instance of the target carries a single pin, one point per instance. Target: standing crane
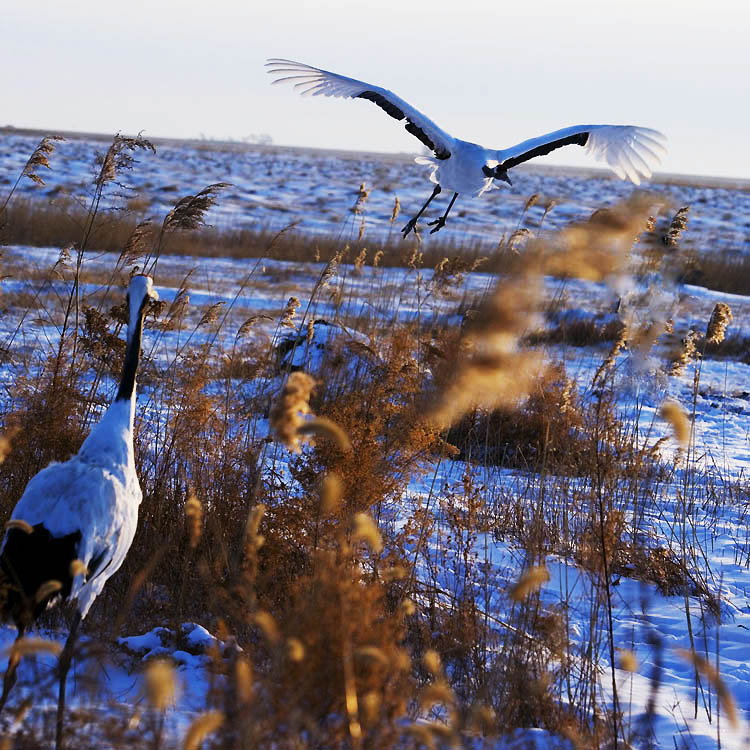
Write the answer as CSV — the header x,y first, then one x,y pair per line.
x,y
75,522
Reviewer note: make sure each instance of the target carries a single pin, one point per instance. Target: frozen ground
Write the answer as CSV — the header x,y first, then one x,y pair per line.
x,y
649,624
273,187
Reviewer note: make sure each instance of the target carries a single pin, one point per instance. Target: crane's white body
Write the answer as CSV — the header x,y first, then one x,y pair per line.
x,y
462,172
97,493
631,152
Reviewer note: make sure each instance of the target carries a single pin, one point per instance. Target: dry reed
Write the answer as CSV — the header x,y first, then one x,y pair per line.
x,y
338,628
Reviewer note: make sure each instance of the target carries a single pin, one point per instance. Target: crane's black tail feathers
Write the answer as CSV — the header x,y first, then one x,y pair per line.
x,y
35,570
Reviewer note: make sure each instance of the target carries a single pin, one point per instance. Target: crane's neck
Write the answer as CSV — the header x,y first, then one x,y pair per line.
x,y
126,391
110,442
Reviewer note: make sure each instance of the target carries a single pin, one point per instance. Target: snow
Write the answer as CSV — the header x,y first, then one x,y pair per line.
x,y
147,644
533,739
643,616
271,188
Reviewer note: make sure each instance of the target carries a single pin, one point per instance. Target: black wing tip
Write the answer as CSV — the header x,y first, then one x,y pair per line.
x,y
30,560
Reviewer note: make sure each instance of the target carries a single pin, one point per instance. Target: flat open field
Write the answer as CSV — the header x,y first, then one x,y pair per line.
x,y
501,537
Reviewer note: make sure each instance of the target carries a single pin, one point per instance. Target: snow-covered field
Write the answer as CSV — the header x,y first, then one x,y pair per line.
x,y
273,187
705,495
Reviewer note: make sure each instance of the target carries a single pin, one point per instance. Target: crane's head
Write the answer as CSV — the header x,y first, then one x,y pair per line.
x,y
140,291
502,174
495,170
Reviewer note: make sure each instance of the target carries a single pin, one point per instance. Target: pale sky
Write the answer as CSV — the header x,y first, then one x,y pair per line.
x,y
491,72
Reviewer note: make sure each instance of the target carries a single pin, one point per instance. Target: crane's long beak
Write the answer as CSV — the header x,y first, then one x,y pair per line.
x,y
502,175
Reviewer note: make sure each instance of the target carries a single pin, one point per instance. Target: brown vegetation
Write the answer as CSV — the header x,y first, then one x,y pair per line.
x,y
320,578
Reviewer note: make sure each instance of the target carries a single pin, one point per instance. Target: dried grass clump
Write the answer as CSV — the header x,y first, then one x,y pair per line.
x,y
584,332
727,271
547,430
396,210
521,686
675,416
287,316
138,244
715,680
160,684
532,579
6,443
206,724
285,417
320,427
335,623
193,519
687,352
677,226
660,566
47,418
119,158
362,195
602,547
40,158
598,249
189,213
98,339
331,663
493,370
450,273
721,317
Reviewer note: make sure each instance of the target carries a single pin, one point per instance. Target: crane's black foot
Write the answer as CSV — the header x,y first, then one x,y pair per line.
x,y
438,224
411,226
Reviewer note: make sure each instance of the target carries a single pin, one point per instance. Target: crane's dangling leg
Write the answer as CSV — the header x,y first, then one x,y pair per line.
x,y
10,673
64,665
441,221
412,223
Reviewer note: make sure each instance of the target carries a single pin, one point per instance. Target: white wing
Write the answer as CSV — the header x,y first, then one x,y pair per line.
x,y
77,496
630,152
311,81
